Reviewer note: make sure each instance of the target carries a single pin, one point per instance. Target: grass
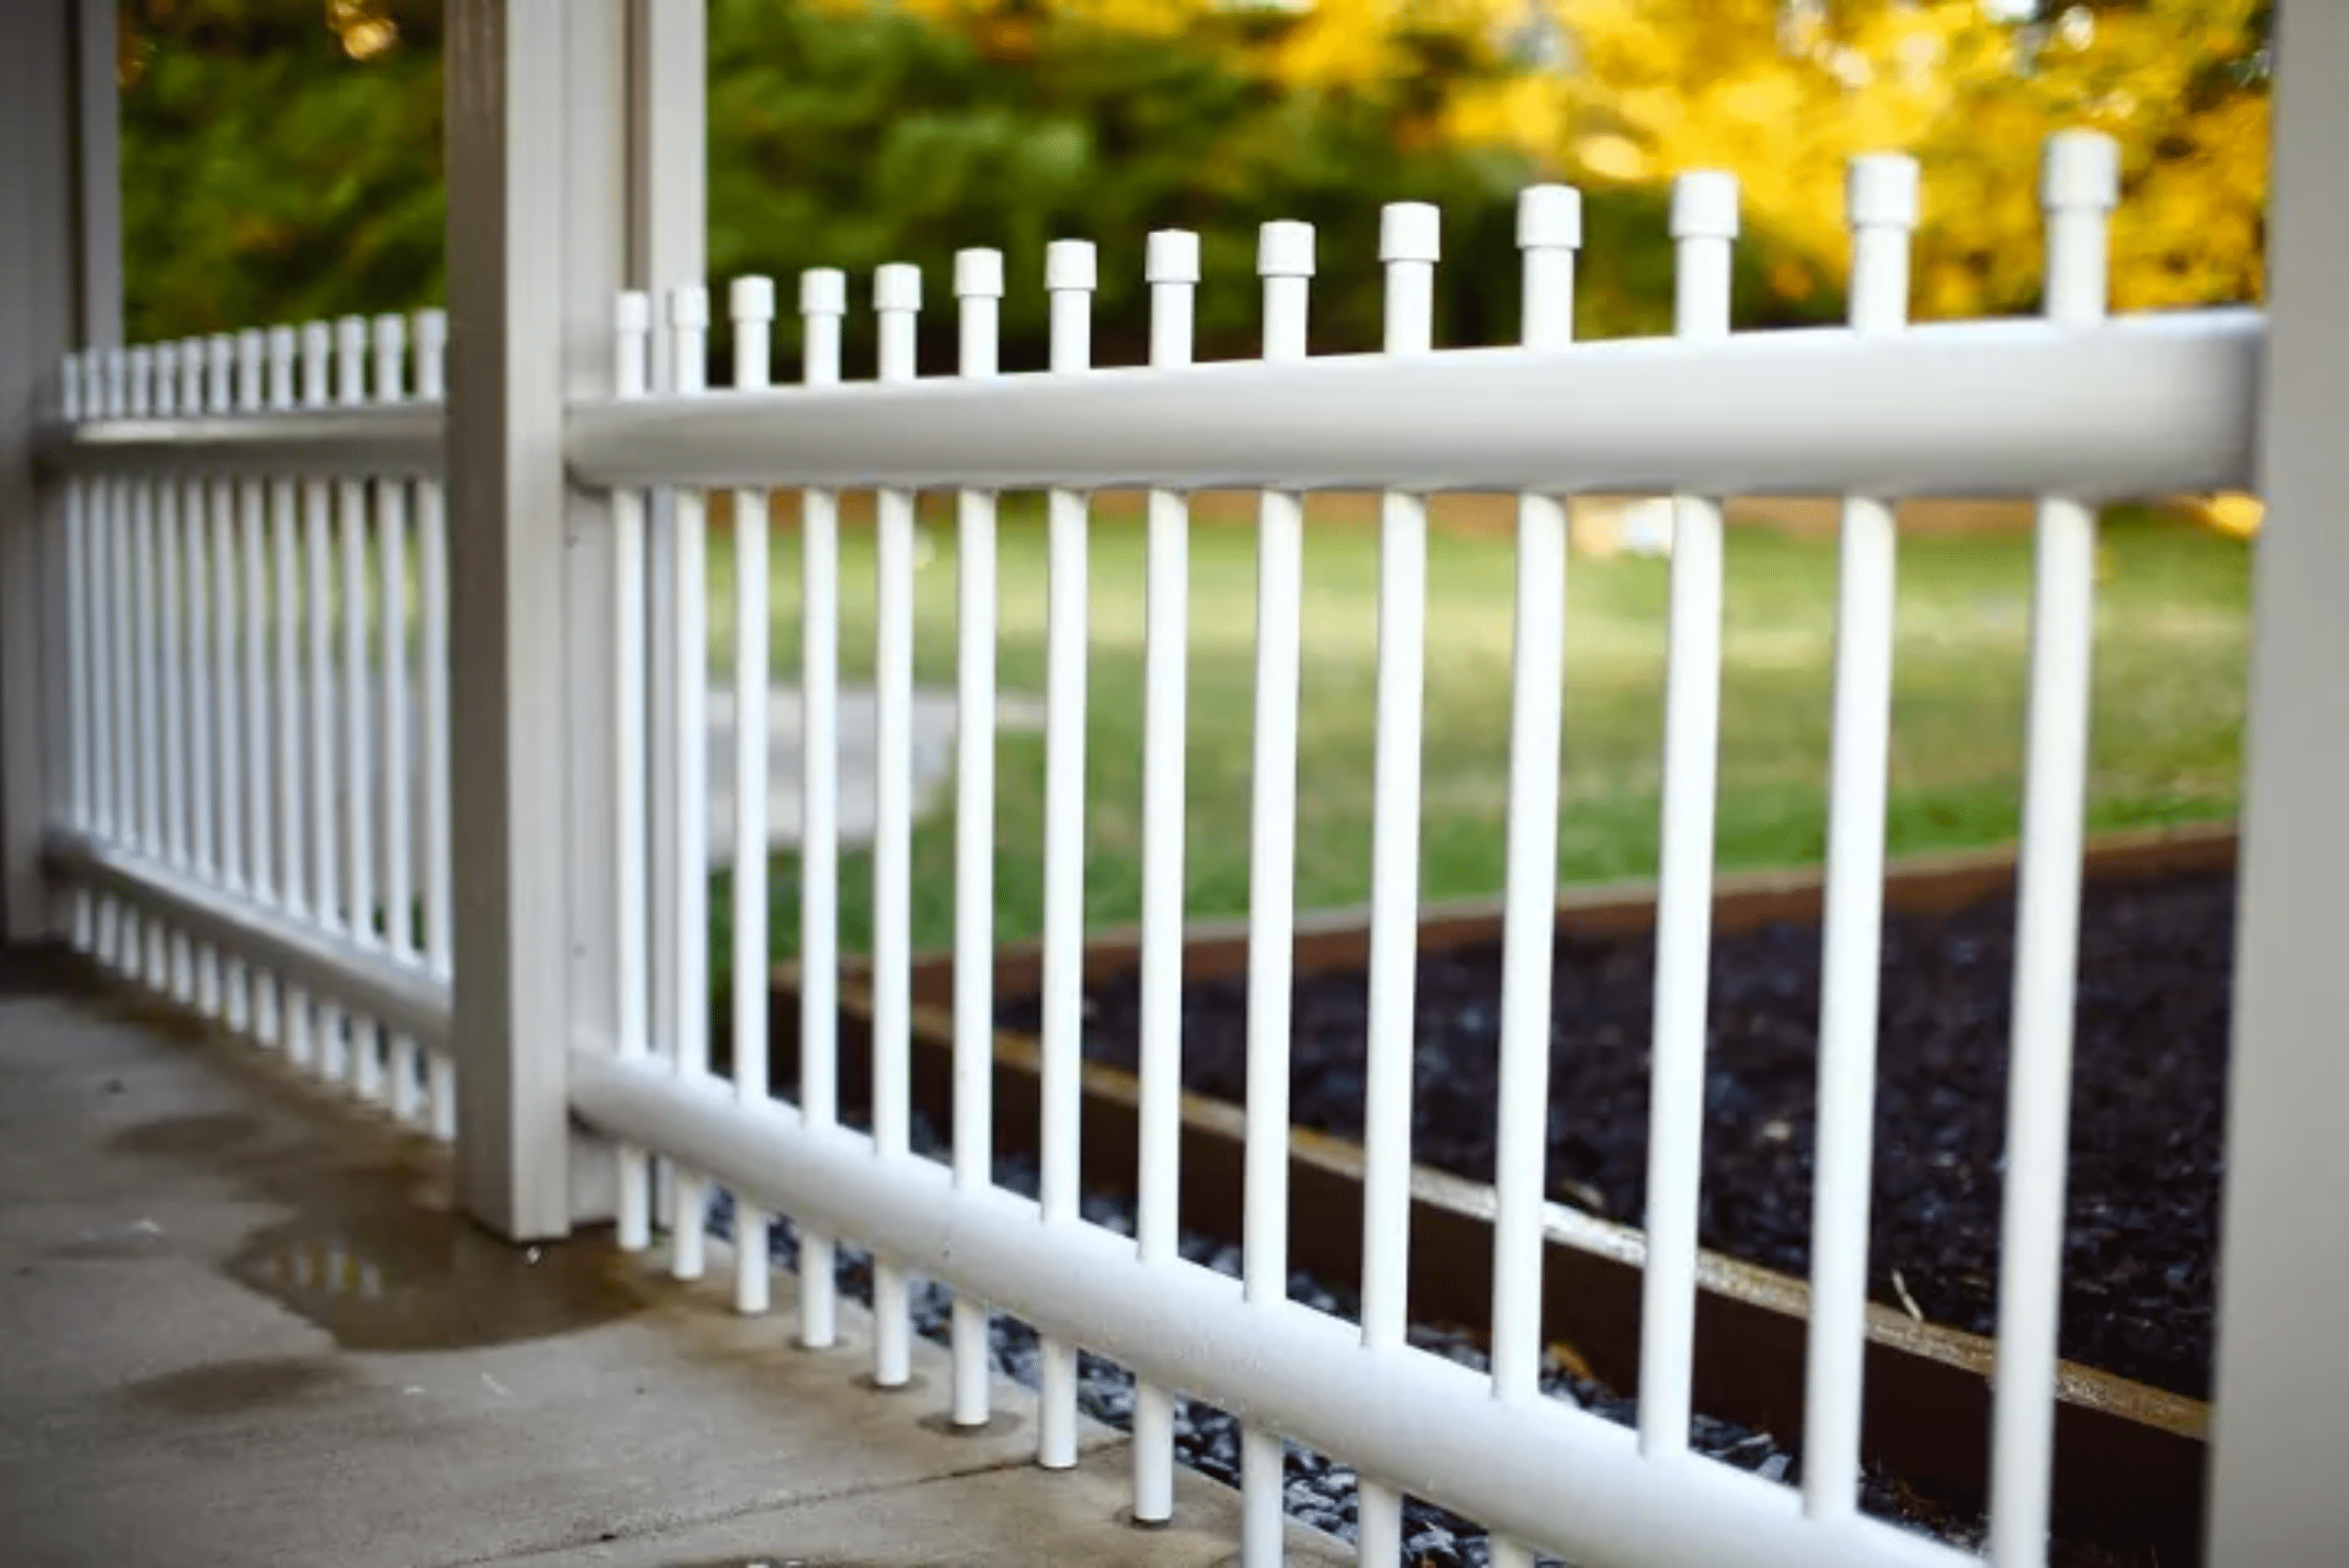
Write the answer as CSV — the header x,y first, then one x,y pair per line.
x,y
2170,689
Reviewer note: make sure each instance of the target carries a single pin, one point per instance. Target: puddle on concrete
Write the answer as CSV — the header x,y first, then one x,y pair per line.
x,y
395,1277
366,1257
233,1388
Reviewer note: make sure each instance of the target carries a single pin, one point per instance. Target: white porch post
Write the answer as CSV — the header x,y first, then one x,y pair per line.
x,y
538,228
2281,1426
59,288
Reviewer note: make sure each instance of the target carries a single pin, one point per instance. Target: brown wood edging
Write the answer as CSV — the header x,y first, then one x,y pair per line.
x,y
2128,1459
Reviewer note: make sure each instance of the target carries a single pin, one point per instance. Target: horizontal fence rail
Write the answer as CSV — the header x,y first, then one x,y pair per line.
x,y
2144,406
1542,1470
394,442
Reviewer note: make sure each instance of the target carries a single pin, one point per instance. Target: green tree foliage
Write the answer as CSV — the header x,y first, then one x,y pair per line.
x,y
268,173
276,170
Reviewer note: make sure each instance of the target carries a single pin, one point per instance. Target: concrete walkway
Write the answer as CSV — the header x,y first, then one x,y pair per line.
x,y
240,1328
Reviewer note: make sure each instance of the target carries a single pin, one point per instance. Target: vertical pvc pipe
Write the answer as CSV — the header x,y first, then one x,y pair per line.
x,y
1172,270
357,710
148,751
1409,242
2080,185
689,737
261,713
896,298
978,292
1704,225
397,770
286,590
1070,272
169,666
100,587
326,859
1285,262
750,303
81,694
200,742
132,386
823,301
432,587
1882,203
631,356
1549,232
234,980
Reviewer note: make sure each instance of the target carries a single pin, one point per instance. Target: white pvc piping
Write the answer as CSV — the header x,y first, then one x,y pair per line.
x,y
1883,210
2146,406
1285,260
823,300
1704,227
406,1095
1069,279
260,709
1549,229
325,964
439,867
1172,270
404,441
687,1027
1409,241
367,1056
318,601
896,301
1540,1472
226,810
293,841
978,293
632,764
750,304
2079,186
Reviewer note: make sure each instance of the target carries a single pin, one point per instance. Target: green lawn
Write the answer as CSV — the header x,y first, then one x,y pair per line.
x,y
2170,653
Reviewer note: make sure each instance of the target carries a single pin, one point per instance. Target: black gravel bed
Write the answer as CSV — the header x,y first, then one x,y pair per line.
x,y
2147,1115
1318,1490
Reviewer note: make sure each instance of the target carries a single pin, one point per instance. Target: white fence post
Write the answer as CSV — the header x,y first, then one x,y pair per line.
x,y
2282,1402
537,242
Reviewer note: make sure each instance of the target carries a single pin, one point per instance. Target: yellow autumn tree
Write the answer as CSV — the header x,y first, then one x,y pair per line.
x,y
1314,45
1784,92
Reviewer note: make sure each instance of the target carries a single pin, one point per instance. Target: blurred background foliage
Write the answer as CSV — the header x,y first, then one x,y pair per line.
x,y
282,157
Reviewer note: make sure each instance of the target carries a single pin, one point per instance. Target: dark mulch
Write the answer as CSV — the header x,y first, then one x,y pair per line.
x,y
2147,1118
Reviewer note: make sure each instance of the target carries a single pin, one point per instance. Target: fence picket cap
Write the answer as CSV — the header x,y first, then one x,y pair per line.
x,y
252,356
432,355
220,373
283,345
317,364
351,360
390,336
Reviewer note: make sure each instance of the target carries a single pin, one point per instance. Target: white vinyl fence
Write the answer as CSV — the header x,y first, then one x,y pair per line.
x,y
235,695
256,817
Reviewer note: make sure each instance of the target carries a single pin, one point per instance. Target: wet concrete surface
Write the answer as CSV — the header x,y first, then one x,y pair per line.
x,y
243,1327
